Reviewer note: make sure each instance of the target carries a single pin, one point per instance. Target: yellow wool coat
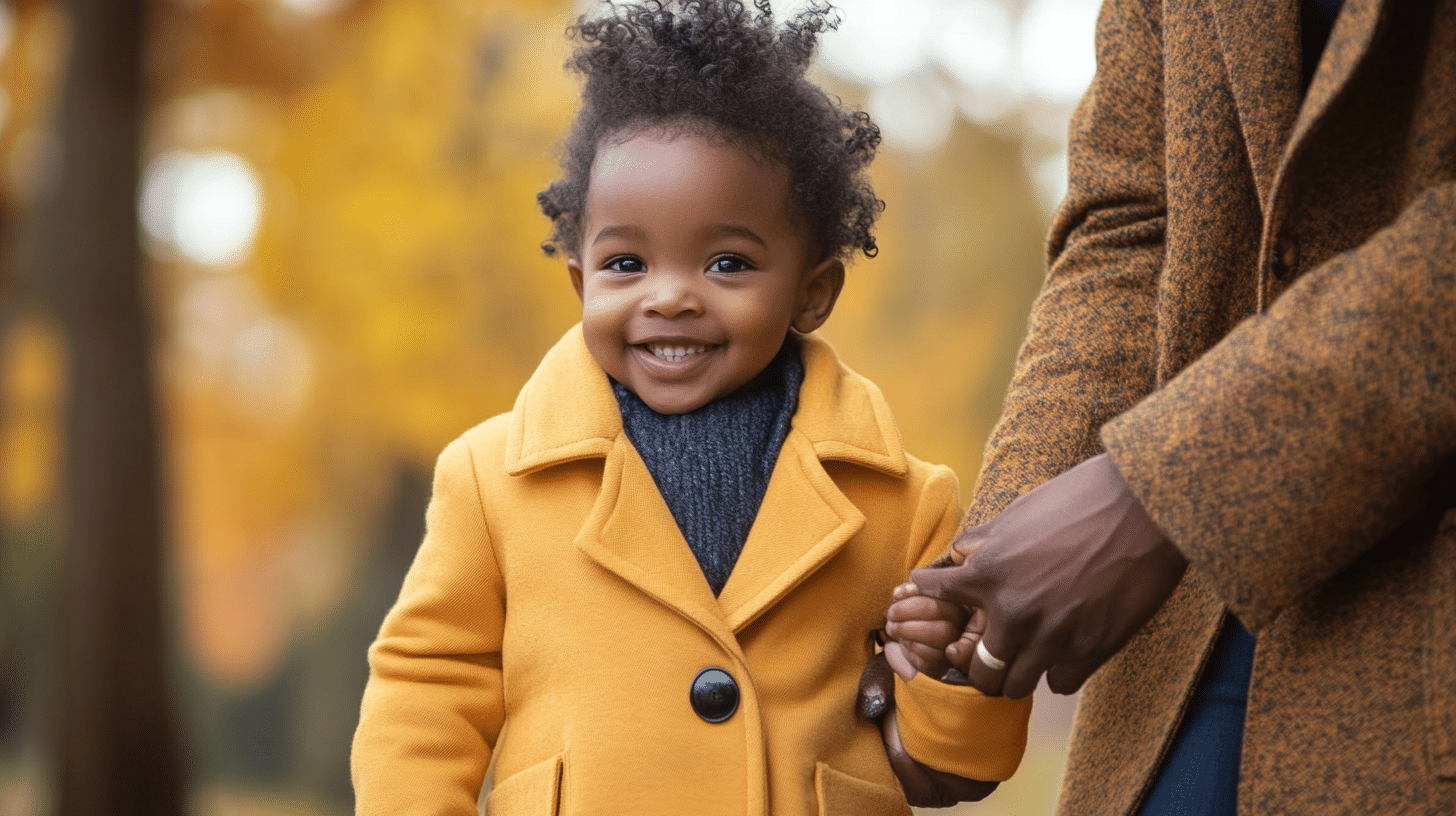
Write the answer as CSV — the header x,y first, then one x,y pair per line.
x,y
555,615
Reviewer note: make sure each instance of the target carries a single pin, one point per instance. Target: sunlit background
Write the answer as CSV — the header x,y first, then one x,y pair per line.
x,y
343,266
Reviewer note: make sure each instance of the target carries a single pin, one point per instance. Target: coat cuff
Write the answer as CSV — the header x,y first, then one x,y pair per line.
x,y
959,730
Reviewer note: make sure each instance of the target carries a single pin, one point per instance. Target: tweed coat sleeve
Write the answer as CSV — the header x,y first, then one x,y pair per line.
x,y
1310,431
1089,350
434,704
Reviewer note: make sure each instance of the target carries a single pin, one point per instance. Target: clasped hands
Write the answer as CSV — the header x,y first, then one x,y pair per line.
x,y
1056,584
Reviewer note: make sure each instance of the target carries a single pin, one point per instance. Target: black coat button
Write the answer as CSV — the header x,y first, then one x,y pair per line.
x,y
714,695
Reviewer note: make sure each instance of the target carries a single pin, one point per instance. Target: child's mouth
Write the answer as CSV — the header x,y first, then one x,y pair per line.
x,y
674,353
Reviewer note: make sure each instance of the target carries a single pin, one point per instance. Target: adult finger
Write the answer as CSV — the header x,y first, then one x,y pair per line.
x,y
1067,678
964,547
990,663
1021,678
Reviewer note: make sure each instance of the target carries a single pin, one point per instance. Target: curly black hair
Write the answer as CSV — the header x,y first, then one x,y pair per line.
x,y
717,67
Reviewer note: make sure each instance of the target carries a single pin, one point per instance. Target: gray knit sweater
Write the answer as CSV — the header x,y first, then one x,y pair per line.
x,y
712,465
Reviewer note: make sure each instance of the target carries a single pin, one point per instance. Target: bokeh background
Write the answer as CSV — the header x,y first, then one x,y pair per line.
x,y
338,254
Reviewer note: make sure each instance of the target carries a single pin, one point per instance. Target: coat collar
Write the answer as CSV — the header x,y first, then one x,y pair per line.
x,y
1261,48
566,411
1355,30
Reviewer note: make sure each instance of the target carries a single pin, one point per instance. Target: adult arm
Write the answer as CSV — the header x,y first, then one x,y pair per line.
x,y
434,704
1089,351
1089,355
1293,446
1270,463
1310,432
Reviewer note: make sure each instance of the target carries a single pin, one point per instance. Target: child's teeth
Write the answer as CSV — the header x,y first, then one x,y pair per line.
x,y
676,353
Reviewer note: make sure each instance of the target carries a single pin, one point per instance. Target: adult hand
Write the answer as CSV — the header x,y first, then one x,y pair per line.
x,y
1066,574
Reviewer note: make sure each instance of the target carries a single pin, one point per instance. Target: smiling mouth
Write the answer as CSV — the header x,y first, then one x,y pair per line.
x,y
675,352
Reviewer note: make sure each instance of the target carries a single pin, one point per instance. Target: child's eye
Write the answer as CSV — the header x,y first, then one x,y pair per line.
x,y
729,263
625,263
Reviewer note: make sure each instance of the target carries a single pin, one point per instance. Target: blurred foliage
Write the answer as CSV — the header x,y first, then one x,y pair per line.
x,y
395,294
32,371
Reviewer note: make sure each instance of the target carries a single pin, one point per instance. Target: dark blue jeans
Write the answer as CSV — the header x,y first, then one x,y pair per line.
x,y
1200,774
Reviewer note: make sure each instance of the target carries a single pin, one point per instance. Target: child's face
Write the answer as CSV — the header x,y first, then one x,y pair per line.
x,y
692,268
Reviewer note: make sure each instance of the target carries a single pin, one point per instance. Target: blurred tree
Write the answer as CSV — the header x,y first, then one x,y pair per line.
x,y
394,278
117,747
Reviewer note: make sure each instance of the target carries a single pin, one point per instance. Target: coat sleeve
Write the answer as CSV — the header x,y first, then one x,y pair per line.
x,y
1089,349
955,728
1310,431
434,703
936,516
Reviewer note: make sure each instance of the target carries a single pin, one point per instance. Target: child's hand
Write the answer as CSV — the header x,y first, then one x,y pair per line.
x,y
930,635
924,786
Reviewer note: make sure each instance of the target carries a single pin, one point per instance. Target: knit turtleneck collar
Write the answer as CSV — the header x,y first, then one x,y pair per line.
x,y
712,465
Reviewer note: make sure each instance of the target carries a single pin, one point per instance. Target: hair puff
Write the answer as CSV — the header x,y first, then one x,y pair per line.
x,y
722,68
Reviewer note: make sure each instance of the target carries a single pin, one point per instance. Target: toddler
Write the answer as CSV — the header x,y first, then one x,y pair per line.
x,y
650,587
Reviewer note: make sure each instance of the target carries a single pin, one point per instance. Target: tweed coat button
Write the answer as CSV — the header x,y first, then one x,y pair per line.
x,y
714,694
1286,256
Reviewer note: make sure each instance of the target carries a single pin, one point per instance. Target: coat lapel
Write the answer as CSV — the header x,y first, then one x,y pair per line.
x,y
631,532
1350,41
1261,52
803,521
567,412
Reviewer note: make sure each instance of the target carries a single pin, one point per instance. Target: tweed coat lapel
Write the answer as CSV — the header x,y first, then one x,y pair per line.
x,y
1261,54
1261,50
1349,42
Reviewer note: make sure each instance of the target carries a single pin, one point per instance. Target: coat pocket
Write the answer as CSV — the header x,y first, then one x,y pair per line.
x,y
536,791
1441,652
843,795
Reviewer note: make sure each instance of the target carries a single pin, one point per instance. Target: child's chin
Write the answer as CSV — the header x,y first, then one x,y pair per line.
x,y
668,404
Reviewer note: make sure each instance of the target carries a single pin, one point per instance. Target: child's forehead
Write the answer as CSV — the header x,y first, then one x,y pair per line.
x,y
661,183
684,162
759,148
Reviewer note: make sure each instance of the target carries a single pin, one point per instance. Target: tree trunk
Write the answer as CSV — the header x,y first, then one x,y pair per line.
x,y
118,747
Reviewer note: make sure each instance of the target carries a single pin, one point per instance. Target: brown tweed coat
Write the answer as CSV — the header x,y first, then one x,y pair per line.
x,y
1251,304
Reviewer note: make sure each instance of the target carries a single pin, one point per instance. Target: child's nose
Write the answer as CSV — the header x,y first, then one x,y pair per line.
x,y
672,295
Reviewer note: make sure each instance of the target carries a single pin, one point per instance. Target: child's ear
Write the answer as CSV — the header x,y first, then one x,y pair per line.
x,y
573,268
817,294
